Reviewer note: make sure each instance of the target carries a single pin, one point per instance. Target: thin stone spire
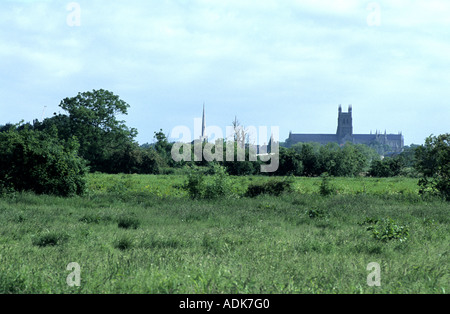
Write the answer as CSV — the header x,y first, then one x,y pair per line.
x,y
203,124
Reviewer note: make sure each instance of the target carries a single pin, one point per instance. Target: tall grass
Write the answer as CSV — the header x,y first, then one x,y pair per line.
x,y
137,241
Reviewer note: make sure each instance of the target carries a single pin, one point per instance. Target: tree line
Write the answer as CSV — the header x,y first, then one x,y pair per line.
x,y
53,155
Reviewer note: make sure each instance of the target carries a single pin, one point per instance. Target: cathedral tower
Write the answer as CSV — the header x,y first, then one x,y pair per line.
x,y
345,125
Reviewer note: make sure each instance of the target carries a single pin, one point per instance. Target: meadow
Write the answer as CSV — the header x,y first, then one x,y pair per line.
x,y
143,234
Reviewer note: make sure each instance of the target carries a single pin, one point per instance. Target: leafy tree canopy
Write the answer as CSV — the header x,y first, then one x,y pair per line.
x,y
37,161
92,120
433,162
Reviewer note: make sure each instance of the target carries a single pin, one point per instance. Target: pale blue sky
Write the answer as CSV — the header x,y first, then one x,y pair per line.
x,y
286,63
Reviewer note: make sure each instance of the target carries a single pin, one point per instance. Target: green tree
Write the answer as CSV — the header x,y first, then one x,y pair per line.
x,y
201,185
328,158
290,163
39,162
433,163
310,158
163,148
240,168
408,155
388,167
349,162
92,120
126,160
151,162
369,155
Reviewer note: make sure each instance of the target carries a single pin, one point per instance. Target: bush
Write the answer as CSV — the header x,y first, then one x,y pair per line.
x,y
219,184
387,229
326,188
195,183
290,163
271,187
433,163
6,188
200,185
36,161
388,167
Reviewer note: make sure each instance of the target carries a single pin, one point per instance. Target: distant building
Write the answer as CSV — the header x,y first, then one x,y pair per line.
x,y
393,143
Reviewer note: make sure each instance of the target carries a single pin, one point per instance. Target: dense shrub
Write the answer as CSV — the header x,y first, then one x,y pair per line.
x,y
388,167
290,163
237,167
387,229
36,161
433,163
219,184
326,187
208,184
272,187
242,168
133,159
195,183
313,159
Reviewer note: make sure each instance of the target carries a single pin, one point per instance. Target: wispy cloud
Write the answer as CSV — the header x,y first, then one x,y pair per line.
x,y
286,63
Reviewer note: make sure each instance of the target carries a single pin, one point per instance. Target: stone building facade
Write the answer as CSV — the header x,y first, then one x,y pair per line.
x,y
391,143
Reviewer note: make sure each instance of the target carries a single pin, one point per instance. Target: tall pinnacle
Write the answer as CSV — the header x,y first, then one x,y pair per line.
x,y
203,123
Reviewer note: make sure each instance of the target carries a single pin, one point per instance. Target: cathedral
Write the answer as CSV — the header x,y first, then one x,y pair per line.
x,y
389,143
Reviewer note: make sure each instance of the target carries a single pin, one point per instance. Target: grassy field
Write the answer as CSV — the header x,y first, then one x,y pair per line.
x,y
142,234
168,185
